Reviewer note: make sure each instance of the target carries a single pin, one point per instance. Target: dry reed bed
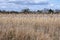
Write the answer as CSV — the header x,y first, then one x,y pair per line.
x,y
29,27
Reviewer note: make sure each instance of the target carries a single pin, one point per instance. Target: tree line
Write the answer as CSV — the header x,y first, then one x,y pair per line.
x,y
28,11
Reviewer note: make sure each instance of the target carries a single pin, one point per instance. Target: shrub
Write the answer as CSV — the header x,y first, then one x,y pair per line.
x,y
50,11
26,11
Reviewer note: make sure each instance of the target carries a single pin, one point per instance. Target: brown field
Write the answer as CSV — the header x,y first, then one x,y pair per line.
x,y
29,27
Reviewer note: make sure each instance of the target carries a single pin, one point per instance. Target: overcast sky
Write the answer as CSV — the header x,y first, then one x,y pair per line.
x,y
17,5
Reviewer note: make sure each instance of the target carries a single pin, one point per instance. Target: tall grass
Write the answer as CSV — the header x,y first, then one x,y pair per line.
x,y
29,27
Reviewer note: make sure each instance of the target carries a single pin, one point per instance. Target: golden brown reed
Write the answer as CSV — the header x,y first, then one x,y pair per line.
x,y
29,27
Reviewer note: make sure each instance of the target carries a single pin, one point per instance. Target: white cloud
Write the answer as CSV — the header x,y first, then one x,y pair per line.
x,y
51,5
12,0
31,1
3,0
37,1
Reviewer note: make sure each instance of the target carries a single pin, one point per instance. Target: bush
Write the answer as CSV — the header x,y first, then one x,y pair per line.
x,y
50,11
26,11
39,11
